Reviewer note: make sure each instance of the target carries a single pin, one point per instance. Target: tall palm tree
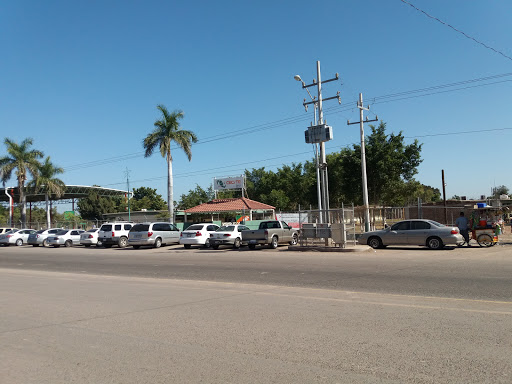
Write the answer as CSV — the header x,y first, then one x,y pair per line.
x,y
168,130
49,184
25,161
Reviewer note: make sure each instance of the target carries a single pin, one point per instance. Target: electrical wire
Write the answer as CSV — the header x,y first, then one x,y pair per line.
x,y
339,109
457,30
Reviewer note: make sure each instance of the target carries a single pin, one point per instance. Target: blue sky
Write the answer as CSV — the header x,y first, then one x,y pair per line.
x,y
83,79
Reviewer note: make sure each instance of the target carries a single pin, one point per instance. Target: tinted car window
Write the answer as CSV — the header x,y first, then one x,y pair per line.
x,y
106,227
420,225
93,230
140,228
242,228
127,227
402,226
62,232
436,223
117,227
41,231
173,227
74,232
54,230
226,228
195,227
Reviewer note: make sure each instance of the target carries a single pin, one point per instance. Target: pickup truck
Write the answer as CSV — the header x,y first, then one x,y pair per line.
x,y
270,232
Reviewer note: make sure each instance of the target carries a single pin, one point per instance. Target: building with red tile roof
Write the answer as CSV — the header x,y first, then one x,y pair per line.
x,y
239,205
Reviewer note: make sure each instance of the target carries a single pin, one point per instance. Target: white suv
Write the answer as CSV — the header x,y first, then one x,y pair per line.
x,y
114,233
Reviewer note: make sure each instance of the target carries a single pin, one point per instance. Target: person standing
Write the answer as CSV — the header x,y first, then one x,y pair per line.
x,y
462,224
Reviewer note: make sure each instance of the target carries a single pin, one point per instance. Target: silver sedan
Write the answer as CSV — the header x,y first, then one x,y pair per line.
x,y
66,237
413,232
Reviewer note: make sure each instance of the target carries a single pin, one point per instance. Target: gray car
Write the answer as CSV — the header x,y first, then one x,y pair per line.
x,y
153,234
41,236
413,232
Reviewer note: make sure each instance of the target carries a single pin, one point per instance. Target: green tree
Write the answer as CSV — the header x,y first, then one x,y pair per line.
x,y
168,130
389,164
195,197
147,198
498,191
94,206
48,183
24,161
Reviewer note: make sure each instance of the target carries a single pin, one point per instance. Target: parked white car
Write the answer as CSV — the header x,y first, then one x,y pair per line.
x,y
40,237
198,234
18,237
66,237
228,235
90,238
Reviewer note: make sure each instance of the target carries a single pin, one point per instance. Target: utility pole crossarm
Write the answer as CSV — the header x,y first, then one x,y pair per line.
x,y
315,83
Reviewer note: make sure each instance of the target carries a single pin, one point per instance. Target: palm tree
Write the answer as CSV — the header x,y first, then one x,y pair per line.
x,y
24,160
168,130
49,184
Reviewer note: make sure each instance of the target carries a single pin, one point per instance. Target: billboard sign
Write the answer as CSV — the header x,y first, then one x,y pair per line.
x,y
228,183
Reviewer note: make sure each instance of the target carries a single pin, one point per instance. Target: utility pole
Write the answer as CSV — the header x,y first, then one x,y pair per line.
x,y
127,172
320,133
444,198
363,159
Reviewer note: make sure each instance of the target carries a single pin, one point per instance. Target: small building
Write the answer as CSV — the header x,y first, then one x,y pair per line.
x,y
234,209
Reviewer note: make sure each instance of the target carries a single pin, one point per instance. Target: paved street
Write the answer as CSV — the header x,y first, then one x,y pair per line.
x,y
175,315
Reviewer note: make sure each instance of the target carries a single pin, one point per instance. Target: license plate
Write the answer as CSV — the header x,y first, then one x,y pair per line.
x,y
189,235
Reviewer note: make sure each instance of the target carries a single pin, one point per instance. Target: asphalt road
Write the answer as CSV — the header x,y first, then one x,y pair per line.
x,y
172,315
476,273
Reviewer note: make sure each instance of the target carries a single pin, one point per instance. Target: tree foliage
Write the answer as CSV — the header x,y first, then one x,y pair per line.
x,y
94,206
390,165
167,130
147,198
195,197
24,161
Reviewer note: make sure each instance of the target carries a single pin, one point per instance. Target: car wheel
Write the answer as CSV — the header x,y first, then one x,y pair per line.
x,y
123,242
207,243
294,240
216,246
158,242
99,244
136,246
274,242
45,243
434,243
19,242
236,244
187,246
252,246
68,243
375,242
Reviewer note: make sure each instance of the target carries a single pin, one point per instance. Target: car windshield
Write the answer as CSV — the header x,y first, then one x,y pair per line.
x,y
195,227
41,231
226,228
62,232
436,223
140,228
93,230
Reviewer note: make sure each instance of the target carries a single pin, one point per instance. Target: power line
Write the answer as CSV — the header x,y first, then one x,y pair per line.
x,y
229,168
344,107
457,30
